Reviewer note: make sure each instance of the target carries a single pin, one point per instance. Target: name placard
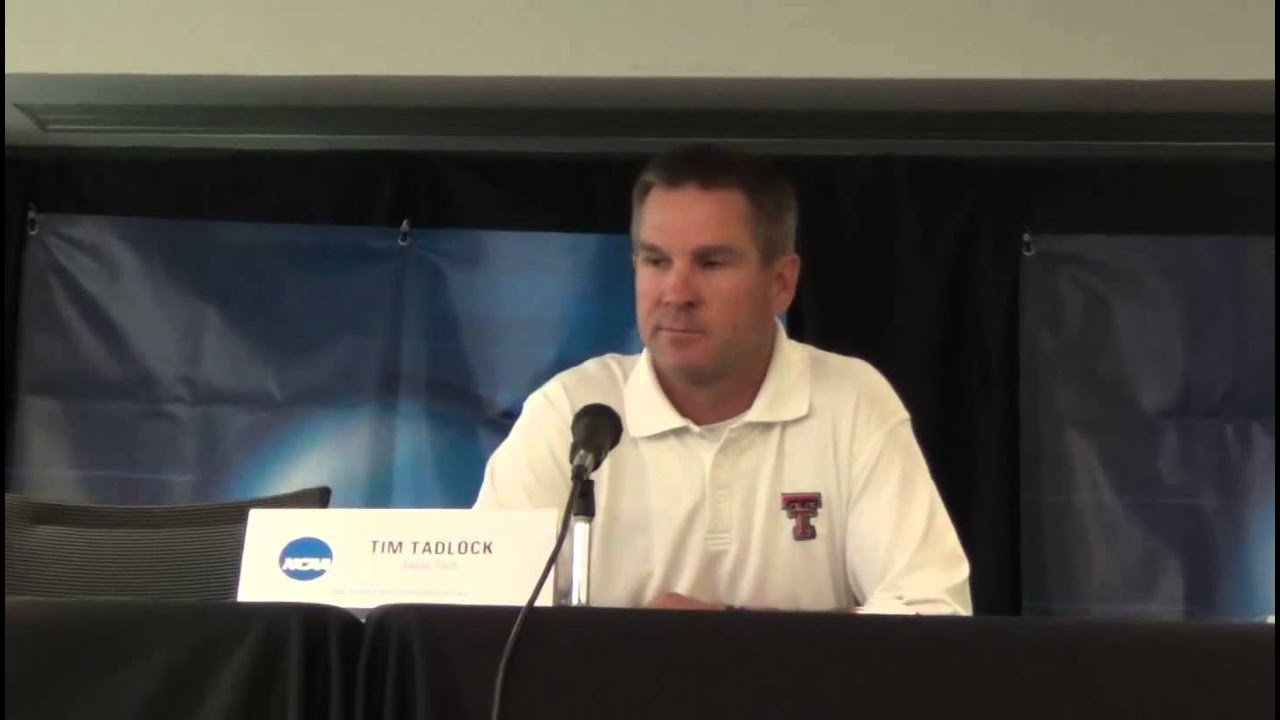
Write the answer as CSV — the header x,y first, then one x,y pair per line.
x,y
361,559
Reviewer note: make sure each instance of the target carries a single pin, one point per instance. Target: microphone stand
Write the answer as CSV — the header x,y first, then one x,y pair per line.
x,y
584,511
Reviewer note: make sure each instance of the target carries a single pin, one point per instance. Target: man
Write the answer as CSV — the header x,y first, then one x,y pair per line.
x,y
753,470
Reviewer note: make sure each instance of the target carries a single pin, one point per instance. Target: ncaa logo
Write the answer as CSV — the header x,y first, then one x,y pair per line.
x,y
306,558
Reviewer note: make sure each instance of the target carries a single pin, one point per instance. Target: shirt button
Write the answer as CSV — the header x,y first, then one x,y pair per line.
x,y
721,497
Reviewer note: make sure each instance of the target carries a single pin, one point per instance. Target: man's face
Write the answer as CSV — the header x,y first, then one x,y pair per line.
x,y
705,302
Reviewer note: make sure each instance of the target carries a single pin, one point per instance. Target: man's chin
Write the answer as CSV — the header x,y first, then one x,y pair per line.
x,y
688,369
681,352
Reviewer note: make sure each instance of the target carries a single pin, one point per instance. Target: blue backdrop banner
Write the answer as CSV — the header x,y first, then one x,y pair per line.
x,y
1148,426
175,361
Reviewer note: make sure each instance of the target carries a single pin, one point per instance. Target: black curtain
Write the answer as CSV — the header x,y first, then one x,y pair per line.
x,y
910,263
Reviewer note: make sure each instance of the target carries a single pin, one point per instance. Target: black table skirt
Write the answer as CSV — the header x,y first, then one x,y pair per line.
x,y
96,659
166,660
439,662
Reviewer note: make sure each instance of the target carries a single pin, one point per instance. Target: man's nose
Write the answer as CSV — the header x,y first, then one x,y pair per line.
x,y
680,288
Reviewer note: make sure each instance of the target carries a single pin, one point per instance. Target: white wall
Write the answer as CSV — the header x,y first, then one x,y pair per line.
x,y
997,39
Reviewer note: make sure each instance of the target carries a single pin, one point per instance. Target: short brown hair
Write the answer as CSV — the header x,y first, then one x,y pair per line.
x,y
715,167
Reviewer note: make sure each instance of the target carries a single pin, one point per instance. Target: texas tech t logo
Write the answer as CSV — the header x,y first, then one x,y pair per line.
x,y
802,508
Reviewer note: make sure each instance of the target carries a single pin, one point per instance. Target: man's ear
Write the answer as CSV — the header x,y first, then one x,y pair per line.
x,y
784,276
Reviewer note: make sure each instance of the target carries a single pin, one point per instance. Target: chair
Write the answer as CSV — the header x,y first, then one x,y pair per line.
x,y
163,552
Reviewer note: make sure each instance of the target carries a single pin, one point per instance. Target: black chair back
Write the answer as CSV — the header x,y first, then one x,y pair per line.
x,y
170,552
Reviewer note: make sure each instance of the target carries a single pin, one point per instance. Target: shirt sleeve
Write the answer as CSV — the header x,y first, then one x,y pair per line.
x,y
903,555
530,468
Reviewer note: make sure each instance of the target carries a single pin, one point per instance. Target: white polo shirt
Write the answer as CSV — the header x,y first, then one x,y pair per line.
x,y
817,498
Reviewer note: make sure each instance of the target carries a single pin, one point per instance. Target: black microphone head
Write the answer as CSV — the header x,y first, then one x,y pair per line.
x,y
596,430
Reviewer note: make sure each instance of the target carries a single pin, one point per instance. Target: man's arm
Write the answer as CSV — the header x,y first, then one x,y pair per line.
x,y
530,469
902,552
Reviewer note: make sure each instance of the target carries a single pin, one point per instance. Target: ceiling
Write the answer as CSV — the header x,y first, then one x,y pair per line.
x,y
623,115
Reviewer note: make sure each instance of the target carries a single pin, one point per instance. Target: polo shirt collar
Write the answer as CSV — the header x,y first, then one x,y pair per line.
x,y
784,395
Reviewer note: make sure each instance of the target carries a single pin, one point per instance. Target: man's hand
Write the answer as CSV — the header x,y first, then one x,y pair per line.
x,y
676,601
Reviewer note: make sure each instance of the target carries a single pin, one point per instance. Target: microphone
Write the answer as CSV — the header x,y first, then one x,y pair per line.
x,y
596,430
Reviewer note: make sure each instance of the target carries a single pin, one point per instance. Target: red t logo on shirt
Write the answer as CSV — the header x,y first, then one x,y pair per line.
x,y
802,507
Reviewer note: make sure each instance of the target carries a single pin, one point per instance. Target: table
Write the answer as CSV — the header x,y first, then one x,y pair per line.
x,y
168,660
439,662
103,659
